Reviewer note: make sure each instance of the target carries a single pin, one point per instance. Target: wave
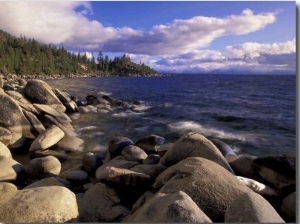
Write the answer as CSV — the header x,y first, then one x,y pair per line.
x,y
86,128
127,113
104,93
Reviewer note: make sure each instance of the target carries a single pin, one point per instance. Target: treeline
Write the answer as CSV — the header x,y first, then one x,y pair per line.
x,y
25,56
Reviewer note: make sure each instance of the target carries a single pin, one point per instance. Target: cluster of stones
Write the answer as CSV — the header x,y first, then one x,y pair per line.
x,y
192,180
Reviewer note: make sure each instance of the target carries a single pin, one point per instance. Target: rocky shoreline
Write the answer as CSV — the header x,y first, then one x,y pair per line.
x,y
194,179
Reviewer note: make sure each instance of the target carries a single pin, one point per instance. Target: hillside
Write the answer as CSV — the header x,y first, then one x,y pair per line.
x,y
25,56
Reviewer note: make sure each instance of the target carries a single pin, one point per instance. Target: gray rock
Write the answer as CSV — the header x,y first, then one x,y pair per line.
x,y
49,181
101,204
60,155
134,153
225,149
23,102
4,151
278,170
66,100
12,117
117,164
48,138
10,169
243,166
117,144
288,208
76,176
124,177
150,144
5,136
91,162
70,144
43,167
66,127
144,168
41,93
210,185
165,208
194,145
42,204
152,159
34,121
252,208
60,116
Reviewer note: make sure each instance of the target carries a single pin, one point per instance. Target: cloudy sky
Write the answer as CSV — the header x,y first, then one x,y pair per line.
x,y
171,36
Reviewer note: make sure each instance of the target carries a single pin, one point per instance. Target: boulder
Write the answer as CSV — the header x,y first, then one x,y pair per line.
x,y
74,116
117,164
49,181
60,155
91,162
24,103
4,151
54,204
7,190
67,128
41,93
134,153
144,168
101,203
70,144
10,169
117,144
225,149
123,177
70,105
34,121
243,166
194,145
76,176
210,185
5,136
165,208
60,116
150,144
12,117
92,100
113,102
288,208
48,138
152,159
278,170
252,208
43,167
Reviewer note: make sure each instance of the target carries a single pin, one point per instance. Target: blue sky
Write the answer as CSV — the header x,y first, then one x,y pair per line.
x,y
172,36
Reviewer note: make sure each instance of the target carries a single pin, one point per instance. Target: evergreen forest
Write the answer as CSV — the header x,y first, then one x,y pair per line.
x,y
26,56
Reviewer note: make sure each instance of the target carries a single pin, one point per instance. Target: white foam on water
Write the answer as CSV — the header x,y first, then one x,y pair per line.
x,y
86,128
126,113
104,93
191,126
141,108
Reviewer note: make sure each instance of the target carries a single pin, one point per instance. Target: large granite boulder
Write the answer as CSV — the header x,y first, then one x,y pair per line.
x,y
165,208
23,102
12,117
243,166
91,162
210,185
4,151
10,169
54,204
70,105
60,116
34,121
101,203
48,181
41,93
5,136
225,149
43,167
134,153
48,138
251,208
70,144
194,145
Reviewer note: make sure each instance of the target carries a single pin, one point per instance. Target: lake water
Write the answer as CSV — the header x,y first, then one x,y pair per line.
x,y
254,114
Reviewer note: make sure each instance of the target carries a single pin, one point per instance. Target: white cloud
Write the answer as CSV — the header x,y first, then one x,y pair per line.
x,y
60,22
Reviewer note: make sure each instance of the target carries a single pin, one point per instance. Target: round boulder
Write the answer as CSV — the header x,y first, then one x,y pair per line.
x,y
134,153
117,144
43,167
150,144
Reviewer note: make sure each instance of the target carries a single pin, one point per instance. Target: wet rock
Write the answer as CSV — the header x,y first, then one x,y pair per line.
x,y
150,144
60,155
43,204
194,145
41,93
10,169
48,138
164,208
225,149
134,153
144,168
210,185
92,100
43,167
117,144
70,105
253,208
